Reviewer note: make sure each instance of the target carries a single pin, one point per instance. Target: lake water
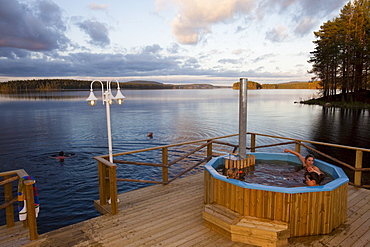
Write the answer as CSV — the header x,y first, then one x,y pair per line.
x,y
35,127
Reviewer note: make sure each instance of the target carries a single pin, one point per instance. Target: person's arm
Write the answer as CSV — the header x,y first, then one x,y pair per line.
x,y
296,154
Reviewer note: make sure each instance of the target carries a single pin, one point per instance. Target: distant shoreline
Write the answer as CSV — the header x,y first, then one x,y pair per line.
x,y
71,84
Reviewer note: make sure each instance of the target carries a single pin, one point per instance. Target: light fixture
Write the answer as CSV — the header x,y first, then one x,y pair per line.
x,y
108,100
119,97
91,100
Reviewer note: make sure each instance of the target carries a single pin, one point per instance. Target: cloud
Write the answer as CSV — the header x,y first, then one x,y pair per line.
x,y
195,18
302,15
145,63
94,6
232,61
37,28
277,34
263,57
97,31
238,51
33,41
174,48
152,49
305,26
191,63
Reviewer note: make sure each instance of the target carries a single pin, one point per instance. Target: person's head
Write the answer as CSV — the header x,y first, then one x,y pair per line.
x,y
61,153
309,159
312,179
233,173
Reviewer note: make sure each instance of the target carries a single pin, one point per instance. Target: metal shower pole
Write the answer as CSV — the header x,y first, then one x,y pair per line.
x,y
243,117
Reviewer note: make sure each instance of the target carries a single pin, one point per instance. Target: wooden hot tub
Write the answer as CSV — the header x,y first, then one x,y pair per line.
x,y
305,210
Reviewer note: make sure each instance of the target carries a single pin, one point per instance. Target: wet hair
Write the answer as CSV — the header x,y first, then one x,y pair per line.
x,y
321,177
314,176
61,153
309,156
233,173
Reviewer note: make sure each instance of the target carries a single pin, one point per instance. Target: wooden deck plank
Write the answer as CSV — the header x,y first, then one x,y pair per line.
x,y
354,192
364,240
171,215
352,231
17,233
162,226
362,231
354,215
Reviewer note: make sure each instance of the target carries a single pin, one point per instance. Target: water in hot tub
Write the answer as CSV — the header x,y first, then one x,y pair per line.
x,y
279,173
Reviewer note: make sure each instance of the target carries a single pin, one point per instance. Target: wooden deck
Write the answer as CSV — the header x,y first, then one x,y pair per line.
x,y
171,215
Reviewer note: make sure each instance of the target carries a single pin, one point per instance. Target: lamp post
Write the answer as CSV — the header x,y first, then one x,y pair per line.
x,y
107,100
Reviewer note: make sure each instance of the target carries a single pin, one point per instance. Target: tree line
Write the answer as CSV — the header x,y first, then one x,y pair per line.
x,y
293,85
287,85
69,84
341,58
250,85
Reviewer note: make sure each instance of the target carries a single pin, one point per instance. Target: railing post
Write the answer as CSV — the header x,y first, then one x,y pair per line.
x,y
253,142
113,189
165,163
209,148
102,184
9,211
30,204
298,147
358,164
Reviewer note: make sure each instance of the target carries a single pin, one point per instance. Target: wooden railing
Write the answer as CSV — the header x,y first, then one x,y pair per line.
x,y
108,178
357,168
30,222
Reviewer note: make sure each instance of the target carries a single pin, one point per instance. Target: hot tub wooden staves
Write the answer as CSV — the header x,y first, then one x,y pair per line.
x,y
307,214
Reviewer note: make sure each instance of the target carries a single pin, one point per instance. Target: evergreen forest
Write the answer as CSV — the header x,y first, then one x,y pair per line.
x,y
341,58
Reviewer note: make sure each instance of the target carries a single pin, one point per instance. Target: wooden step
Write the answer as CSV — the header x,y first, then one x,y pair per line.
x,y
245,229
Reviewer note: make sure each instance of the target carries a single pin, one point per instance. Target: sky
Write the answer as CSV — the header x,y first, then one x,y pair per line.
x,y
169,41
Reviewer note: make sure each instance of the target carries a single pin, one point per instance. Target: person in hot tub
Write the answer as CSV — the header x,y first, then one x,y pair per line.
x,y
312,179
307,163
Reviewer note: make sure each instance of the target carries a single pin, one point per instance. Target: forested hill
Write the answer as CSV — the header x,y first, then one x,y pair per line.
x,y
287,85
69,84
293,85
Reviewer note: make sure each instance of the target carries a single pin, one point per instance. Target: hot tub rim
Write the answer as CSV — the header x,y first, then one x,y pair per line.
x,y
340,177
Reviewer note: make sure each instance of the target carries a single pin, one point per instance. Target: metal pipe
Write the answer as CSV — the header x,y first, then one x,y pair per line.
x,y
243,117
109,128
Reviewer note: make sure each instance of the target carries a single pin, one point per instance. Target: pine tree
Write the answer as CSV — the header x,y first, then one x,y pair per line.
x,y
341,56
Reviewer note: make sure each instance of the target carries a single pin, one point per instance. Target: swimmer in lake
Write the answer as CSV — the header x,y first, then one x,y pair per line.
x,y
63,156
307,163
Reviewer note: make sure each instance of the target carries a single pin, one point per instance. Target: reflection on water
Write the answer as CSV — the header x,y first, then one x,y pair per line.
x,y
44,95
36,126
350,127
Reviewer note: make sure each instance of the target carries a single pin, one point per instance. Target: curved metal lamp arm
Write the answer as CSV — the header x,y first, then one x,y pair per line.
x,y
119,96
91,90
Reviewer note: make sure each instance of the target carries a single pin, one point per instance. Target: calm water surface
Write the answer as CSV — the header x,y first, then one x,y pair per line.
x,y
36,127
